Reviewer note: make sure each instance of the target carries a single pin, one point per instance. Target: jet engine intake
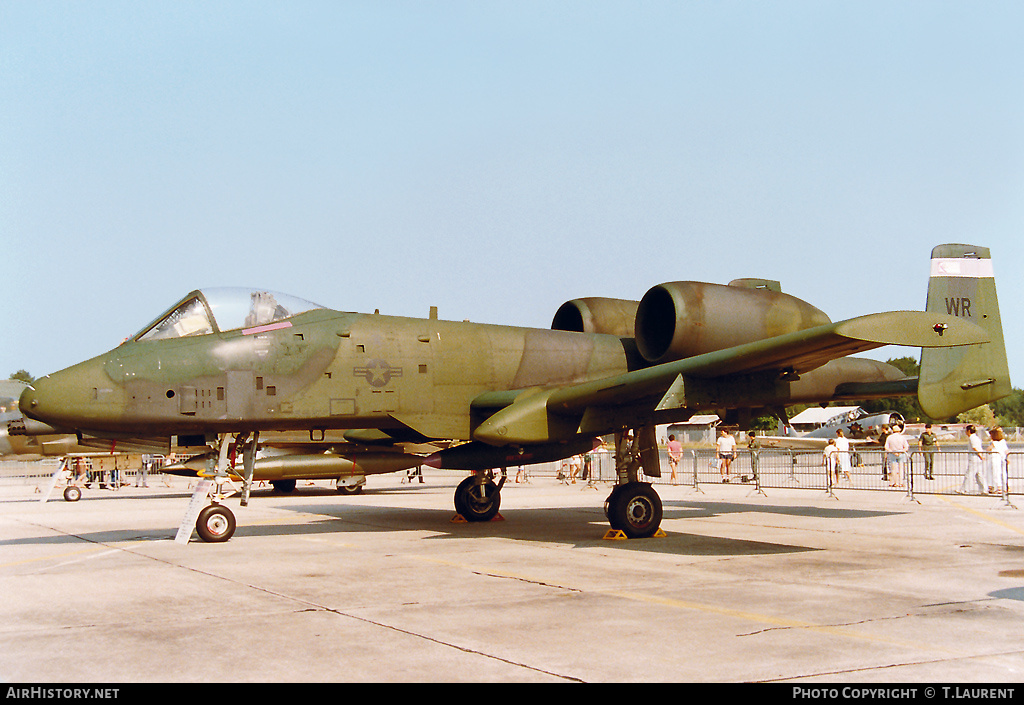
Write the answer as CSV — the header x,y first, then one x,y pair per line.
x,y
682,319
596,314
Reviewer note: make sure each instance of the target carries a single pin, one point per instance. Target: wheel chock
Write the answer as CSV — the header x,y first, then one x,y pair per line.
x,y
459,519
617,535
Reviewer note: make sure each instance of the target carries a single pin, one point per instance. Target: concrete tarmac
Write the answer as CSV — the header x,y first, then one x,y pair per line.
x,y
794,586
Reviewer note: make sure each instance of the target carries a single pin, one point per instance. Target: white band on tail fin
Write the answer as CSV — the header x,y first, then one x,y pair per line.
x,y
961,267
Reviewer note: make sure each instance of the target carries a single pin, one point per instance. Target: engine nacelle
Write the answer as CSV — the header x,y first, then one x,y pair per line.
x,y
682,319
597,315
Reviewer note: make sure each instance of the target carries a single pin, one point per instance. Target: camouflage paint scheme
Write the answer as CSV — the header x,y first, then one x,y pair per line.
x,y
502,395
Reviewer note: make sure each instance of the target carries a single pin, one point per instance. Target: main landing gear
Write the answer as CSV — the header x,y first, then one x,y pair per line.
x,y
633,507
478,498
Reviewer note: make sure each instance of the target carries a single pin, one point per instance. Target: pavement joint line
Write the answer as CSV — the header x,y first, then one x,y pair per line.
x,y
776,622
308,604
331,610
771,622
58,556
884,667
841,630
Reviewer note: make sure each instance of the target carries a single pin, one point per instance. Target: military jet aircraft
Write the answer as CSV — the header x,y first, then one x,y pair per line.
x,y
857,425
222,366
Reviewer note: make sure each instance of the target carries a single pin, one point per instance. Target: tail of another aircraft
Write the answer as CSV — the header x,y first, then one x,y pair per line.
x,y
954,380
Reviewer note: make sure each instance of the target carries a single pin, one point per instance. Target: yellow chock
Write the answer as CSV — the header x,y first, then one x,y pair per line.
x,y
459,519
617,535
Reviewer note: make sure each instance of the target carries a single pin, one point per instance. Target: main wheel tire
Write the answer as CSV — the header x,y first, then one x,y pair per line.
x,y
284,486
72,493
477,502
635,510
610,501
215,524
350,489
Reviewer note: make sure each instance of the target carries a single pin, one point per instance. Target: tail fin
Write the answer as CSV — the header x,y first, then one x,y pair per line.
x,y
954,380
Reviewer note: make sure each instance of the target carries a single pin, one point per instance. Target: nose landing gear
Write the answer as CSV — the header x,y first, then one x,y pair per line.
x,y
215,523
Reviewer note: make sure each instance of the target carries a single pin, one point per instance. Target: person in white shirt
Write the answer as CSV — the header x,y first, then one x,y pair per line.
x,y
998,450
842,454
896,447
975,474
829,458
725,451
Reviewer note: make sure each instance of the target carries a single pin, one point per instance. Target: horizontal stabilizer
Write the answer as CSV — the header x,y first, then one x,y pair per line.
x,y
914,329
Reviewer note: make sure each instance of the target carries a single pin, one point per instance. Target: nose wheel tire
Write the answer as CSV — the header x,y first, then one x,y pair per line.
x,y
72,493
216,524
635,509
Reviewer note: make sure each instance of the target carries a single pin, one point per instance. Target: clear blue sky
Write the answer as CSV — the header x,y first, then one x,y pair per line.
x,y
496,158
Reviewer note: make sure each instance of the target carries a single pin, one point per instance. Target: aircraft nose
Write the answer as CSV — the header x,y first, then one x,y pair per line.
x,y
40,402
28,401
70,398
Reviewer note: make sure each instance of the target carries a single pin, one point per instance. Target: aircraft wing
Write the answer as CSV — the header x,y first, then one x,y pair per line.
x,y
805,442
745,372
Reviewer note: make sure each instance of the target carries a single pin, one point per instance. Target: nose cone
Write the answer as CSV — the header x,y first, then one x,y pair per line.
x,y
27,402
78,397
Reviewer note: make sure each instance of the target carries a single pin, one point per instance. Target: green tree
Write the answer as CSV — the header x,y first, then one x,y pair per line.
x,y
22,376
908,406
979,416
1009,410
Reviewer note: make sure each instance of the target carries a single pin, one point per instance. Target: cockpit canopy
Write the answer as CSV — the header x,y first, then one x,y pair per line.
x,y
221,309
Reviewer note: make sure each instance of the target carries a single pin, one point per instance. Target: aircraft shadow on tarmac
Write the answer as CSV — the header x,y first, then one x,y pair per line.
x,y
541,525
1009,594
579,526
698,509
556,525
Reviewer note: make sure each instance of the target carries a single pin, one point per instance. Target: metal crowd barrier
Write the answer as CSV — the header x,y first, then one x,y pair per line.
x,y
763,468
767,468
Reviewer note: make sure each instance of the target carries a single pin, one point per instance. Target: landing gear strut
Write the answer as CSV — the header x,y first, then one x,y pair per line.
x,y
215,523
478,498
633,507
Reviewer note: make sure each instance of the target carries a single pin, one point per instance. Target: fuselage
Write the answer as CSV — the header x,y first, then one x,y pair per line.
x,y
237,361
320,369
